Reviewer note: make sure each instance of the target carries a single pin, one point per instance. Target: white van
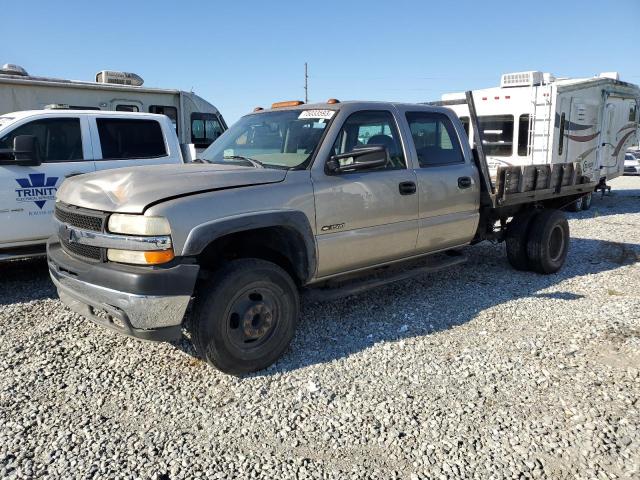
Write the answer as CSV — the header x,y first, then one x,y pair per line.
x,y
40,148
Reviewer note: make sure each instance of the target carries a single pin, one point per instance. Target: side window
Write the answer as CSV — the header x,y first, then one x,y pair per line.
x,y
57,139
496,132
127,108
171,112
435,139
371,128
523,134
205,128
125,139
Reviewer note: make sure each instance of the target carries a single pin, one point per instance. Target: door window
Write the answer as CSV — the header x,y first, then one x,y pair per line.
x,y
205,128
370,128
523,134
126,139
171,112
435,139
57,139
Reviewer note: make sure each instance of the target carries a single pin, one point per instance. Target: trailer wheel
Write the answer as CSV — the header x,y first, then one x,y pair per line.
x,y
548,243
245,316
516,239
576,206
586,202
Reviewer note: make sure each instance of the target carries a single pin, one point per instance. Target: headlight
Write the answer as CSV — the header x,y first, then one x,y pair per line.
x,y
138,225
155,257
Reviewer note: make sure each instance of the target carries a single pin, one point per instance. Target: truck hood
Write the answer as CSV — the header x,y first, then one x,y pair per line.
x,y
131,190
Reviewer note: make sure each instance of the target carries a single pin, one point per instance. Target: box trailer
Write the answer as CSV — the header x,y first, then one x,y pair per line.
x,y
198,123
533,118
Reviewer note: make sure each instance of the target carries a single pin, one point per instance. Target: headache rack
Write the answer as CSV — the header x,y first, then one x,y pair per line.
x,y
516,185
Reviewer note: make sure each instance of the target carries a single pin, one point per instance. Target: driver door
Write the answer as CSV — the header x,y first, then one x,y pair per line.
x,y
27,194
365,217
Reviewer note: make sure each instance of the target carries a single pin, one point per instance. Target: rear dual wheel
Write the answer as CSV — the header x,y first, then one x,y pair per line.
x,y
538,241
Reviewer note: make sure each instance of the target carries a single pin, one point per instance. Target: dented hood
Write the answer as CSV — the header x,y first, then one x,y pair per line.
x,y
131,190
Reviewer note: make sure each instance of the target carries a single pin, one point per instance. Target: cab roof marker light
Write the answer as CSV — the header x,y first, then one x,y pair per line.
x,y
258,109
332,101
289,103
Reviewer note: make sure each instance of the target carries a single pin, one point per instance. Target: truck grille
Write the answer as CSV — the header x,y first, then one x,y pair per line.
x,y
85,219
84,251
80,218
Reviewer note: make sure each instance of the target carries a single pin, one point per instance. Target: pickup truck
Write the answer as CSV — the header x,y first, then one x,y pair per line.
x,y
290,201
40,148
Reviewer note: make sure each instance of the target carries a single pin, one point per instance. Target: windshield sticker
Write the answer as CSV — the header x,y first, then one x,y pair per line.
x,y
326,114
37,189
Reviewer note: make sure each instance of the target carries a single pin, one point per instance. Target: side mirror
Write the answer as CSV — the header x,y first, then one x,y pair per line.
x,y
359,159
25,150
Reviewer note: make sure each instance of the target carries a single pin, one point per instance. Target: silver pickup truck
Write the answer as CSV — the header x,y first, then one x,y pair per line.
x,y
289,201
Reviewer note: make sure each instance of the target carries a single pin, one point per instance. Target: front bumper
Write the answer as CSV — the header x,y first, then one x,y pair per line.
x,y
632,170
142,302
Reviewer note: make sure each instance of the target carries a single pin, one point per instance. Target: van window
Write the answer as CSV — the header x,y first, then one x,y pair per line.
x,y
523,135
127,108
371,128
57,139
205,128
435,139
125,139
171,112
496,132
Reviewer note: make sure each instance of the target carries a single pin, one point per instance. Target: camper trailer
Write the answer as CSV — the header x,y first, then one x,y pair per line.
x,y
535,118
197,122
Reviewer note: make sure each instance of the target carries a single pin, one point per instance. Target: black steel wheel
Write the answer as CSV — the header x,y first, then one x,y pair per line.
x,y
245,316
548,243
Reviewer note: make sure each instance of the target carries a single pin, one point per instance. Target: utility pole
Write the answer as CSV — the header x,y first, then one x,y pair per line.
x,y
306,84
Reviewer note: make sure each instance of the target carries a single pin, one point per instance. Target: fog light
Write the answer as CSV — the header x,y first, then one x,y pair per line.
x,y
155,257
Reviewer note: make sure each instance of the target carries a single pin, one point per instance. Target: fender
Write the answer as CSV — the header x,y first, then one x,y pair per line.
x,y
296,221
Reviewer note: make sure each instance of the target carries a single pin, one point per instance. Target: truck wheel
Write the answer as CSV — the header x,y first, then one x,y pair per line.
x,y
245,316
548,242
576,206
516,239
586,202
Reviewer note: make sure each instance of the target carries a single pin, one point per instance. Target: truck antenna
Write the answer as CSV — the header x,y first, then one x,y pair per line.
x,y
306,84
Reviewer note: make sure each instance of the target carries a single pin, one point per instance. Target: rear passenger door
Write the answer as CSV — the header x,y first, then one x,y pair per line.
x,y
448,183
129,142
27,194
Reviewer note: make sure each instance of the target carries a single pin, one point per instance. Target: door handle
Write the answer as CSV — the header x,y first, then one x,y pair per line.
x,y
72,174
464,182
407,188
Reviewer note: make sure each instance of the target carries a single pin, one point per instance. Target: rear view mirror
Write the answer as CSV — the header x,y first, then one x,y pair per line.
x,y
25,150
360,159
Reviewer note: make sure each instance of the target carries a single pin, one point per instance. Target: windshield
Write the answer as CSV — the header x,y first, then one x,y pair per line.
x,y
285,139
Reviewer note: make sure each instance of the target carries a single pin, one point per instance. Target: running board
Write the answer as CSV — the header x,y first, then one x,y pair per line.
x,y
391,274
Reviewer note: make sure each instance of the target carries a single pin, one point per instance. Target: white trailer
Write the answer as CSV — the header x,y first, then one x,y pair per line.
x,y
535,118
197,122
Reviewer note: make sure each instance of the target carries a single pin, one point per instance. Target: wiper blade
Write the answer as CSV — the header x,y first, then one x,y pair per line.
x,y
255,163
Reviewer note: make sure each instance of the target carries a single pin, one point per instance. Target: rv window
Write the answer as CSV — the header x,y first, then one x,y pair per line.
x,y
435,139
205,128
496,132
57,139
78,107
632,113
171,112
127,108
126,139
523,135
561,138
465,124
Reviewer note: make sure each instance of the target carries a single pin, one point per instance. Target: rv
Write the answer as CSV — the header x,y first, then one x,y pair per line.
x,y
197,122
535,118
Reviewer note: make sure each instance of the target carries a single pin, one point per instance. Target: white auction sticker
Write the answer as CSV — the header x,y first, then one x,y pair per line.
x,y
327,114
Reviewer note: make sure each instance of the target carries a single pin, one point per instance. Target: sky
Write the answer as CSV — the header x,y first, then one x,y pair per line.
x,y
243,54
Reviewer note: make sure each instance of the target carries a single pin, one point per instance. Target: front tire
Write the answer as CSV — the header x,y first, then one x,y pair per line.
x,y
245,316
548,243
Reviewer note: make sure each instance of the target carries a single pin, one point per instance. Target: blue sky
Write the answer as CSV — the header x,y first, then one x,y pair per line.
x,y
240,54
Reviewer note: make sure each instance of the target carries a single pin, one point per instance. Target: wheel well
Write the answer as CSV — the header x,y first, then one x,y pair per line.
x,y
281,245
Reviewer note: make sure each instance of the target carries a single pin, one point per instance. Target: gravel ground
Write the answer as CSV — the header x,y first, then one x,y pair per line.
x,y
476,372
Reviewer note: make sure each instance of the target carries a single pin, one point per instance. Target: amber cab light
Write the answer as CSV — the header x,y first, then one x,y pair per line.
x,y
331,101
290,103
258,109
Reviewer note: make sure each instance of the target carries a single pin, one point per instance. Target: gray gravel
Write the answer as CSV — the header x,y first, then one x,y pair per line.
x,y
477,372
